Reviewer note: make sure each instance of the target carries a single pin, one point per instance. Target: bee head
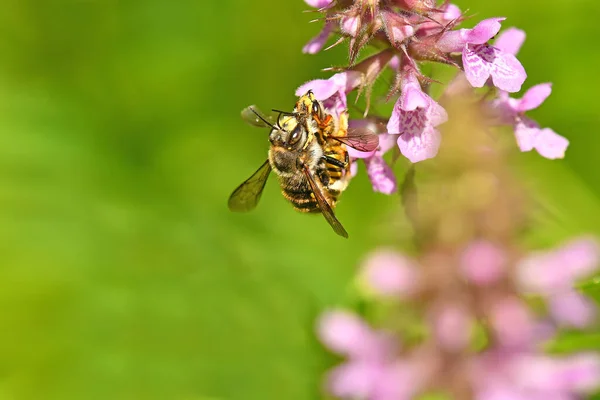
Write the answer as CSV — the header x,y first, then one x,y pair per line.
x,y
289,134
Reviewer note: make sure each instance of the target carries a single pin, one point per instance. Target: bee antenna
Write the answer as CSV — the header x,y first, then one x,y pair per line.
x,y
263,119
284,112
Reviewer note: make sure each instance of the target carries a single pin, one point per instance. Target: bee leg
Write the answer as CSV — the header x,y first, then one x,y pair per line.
x,y
336,162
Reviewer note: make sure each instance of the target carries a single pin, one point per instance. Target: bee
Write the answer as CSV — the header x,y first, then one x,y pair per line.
x,y
308,155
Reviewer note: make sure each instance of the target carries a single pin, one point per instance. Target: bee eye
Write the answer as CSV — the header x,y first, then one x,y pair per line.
x,y
295,136
315,107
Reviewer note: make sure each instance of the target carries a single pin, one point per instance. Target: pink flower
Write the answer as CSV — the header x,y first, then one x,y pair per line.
x,y
389,273
316,44
451,326
481,60
332,92
372,371
318,3
510,41
380,173
552,274
415,118
528,133
483,263
501,374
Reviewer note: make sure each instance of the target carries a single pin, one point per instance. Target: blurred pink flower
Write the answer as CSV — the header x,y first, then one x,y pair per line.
x,y
483,263
451,326
501,374
390,273
512,323
553,274
372,371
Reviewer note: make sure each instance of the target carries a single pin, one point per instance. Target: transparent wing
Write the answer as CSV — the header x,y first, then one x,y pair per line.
x,y
361,139
247,195
256,117
324,206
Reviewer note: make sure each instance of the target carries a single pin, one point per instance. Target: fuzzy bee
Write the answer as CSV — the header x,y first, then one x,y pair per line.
x,y
309,156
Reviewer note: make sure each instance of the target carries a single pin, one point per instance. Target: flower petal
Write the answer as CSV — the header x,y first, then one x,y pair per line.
x,y
526,132
483,31
316,44
510,40
343,332
507,73
572,309
483,262
580,256
451,325
419,146
353,380
349,26
381,175
322,88
550,144
534,97
318,3
451,12
389,273
482,61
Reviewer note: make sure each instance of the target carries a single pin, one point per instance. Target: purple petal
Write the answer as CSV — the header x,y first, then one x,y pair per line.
x,y
550,144
316,44
343,332
381,175
349,25
507,73
386,143
452,327
580,373
483,31
572,309
353,380
483,263
510,41
353,153
580,256
526,132
534,97
419,146
512,322
318,3
322,88
451,42
482,61
437,113
413,98
389,273
451,12
397,381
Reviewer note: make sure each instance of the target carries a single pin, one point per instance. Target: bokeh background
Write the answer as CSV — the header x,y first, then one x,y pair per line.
x,y
122,273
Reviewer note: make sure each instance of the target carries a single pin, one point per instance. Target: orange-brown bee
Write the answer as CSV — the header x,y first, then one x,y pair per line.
x,y
308,153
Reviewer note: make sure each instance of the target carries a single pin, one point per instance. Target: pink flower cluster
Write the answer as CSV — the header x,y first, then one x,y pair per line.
x,y
413,31
512,364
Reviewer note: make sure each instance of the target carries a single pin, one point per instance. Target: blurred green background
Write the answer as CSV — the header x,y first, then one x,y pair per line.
x,y
122,273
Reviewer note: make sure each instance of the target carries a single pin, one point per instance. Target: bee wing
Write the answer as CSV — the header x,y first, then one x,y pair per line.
x,y
324,206
361,139
256,117
247,195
